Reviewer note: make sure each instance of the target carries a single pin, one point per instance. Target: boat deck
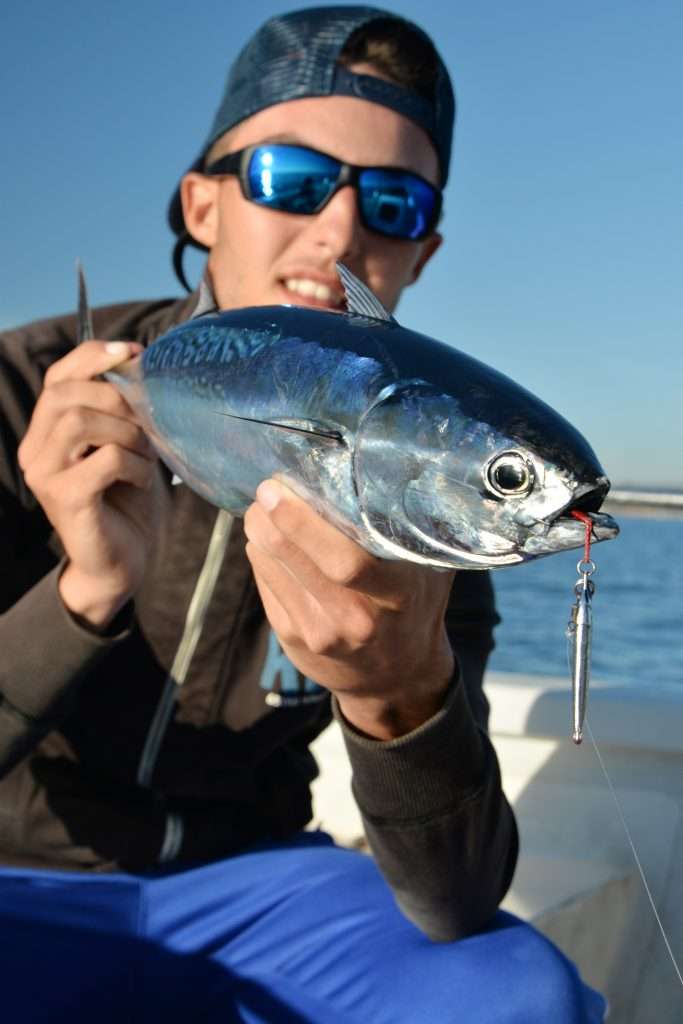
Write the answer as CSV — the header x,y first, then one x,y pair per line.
x,y
577,879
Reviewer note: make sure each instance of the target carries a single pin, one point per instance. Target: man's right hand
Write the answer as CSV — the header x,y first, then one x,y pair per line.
x,y
97,478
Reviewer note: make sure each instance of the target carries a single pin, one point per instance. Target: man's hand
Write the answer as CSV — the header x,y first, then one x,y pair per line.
x,y
95,474
369,629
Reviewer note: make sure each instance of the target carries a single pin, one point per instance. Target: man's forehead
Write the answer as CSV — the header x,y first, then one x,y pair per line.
x,y
351,129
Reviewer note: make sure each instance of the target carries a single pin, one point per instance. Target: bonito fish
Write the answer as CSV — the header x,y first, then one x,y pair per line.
x,y
411,447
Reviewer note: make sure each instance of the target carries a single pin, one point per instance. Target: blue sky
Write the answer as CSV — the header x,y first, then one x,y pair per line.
x,y
564,220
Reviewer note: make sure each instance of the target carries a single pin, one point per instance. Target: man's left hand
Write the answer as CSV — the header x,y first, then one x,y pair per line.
x,y
371,630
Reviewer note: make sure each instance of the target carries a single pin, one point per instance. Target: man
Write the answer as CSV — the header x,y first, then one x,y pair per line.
x,y
146,774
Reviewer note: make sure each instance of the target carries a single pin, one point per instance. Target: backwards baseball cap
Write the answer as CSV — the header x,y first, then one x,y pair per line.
x,y
297,55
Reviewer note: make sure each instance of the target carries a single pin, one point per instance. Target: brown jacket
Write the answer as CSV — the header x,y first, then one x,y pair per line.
x,y
75,708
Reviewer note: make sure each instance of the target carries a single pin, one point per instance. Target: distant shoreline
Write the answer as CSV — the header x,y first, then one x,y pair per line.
x,y
621,510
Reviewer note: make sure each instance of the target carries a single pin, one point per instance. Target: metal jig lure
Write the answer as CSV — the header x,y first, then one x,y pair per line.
x,y
579,631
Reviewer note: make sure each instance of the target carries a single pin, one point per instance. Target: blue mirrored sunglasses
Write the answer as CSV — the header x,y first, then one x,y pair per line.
x,y
295,179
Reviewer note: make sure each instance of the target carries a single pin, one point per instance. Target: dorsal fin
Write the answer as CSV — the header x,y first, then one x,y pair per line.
x,y
359,298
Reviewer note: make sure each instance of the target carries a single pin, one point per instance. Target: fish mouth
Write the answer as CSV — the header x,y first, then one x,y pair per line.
x,y
588,503
589,500
603,525
564,531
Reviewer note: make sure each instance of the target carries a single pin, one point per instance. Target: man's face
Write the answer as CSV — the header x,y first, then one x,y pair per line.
x,y
262,257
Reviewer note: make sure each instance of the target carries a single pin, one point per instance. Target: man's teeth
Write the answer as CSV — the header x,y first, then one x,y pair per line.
x,y
304,286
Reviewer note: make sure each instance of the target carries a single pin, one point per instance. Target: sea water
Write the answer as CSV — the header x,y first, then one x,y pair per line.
x,y
637,609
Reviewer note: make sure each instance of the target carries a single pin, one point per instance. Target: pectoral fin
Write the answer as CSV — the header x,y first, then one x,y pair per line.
x,y
311,428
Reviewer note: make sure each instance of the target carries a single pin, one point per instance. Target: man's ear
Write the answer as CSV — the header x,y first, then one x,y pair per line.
x,y
429,247
199,196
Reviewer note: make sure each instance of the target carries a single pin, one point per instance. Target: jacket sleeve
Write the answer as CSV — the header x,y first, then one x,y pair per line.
x,y
44,653
432,804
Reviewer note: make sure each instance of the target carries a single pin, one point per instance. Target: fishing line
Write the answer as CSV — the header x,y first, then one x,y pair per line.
x,y
635,854
581,516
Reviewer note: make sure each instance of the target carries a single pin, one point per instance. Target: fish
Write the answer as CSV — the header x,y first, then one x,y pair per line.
x,y
414,449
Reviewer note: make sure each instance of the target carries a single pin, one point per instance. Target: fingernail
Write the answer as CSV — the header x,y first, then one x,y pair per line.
x,y
268,495
116,348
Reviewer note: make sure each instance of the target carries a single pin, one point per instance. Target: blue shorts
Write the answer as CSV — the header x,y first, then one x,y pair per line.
x,y
298,933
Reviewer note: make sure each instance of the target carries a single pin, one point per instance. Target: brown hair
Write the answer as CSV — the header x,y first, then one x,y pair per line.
x,y
396,50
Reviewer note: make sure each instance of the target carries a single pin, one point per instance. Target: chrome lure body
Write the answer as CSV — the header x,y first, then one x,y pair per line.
x,y
579,635
414,449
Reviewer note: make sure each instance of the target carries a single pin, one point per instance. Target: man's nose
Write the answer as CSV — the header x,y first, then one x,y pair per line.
x,y
338,226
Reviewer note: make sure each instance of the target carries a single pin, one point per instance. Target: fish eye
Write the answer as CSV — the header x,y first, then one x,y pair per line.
x,y
509,474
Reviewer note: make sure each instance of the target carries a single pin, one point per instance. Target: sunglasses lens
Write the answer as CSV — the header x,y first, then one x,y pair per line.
x,y
298,180
397,203
290,179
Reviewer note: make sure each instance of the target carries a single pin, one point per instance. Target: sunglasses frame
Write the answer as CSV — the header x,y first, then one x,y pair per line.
x,y
237,164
